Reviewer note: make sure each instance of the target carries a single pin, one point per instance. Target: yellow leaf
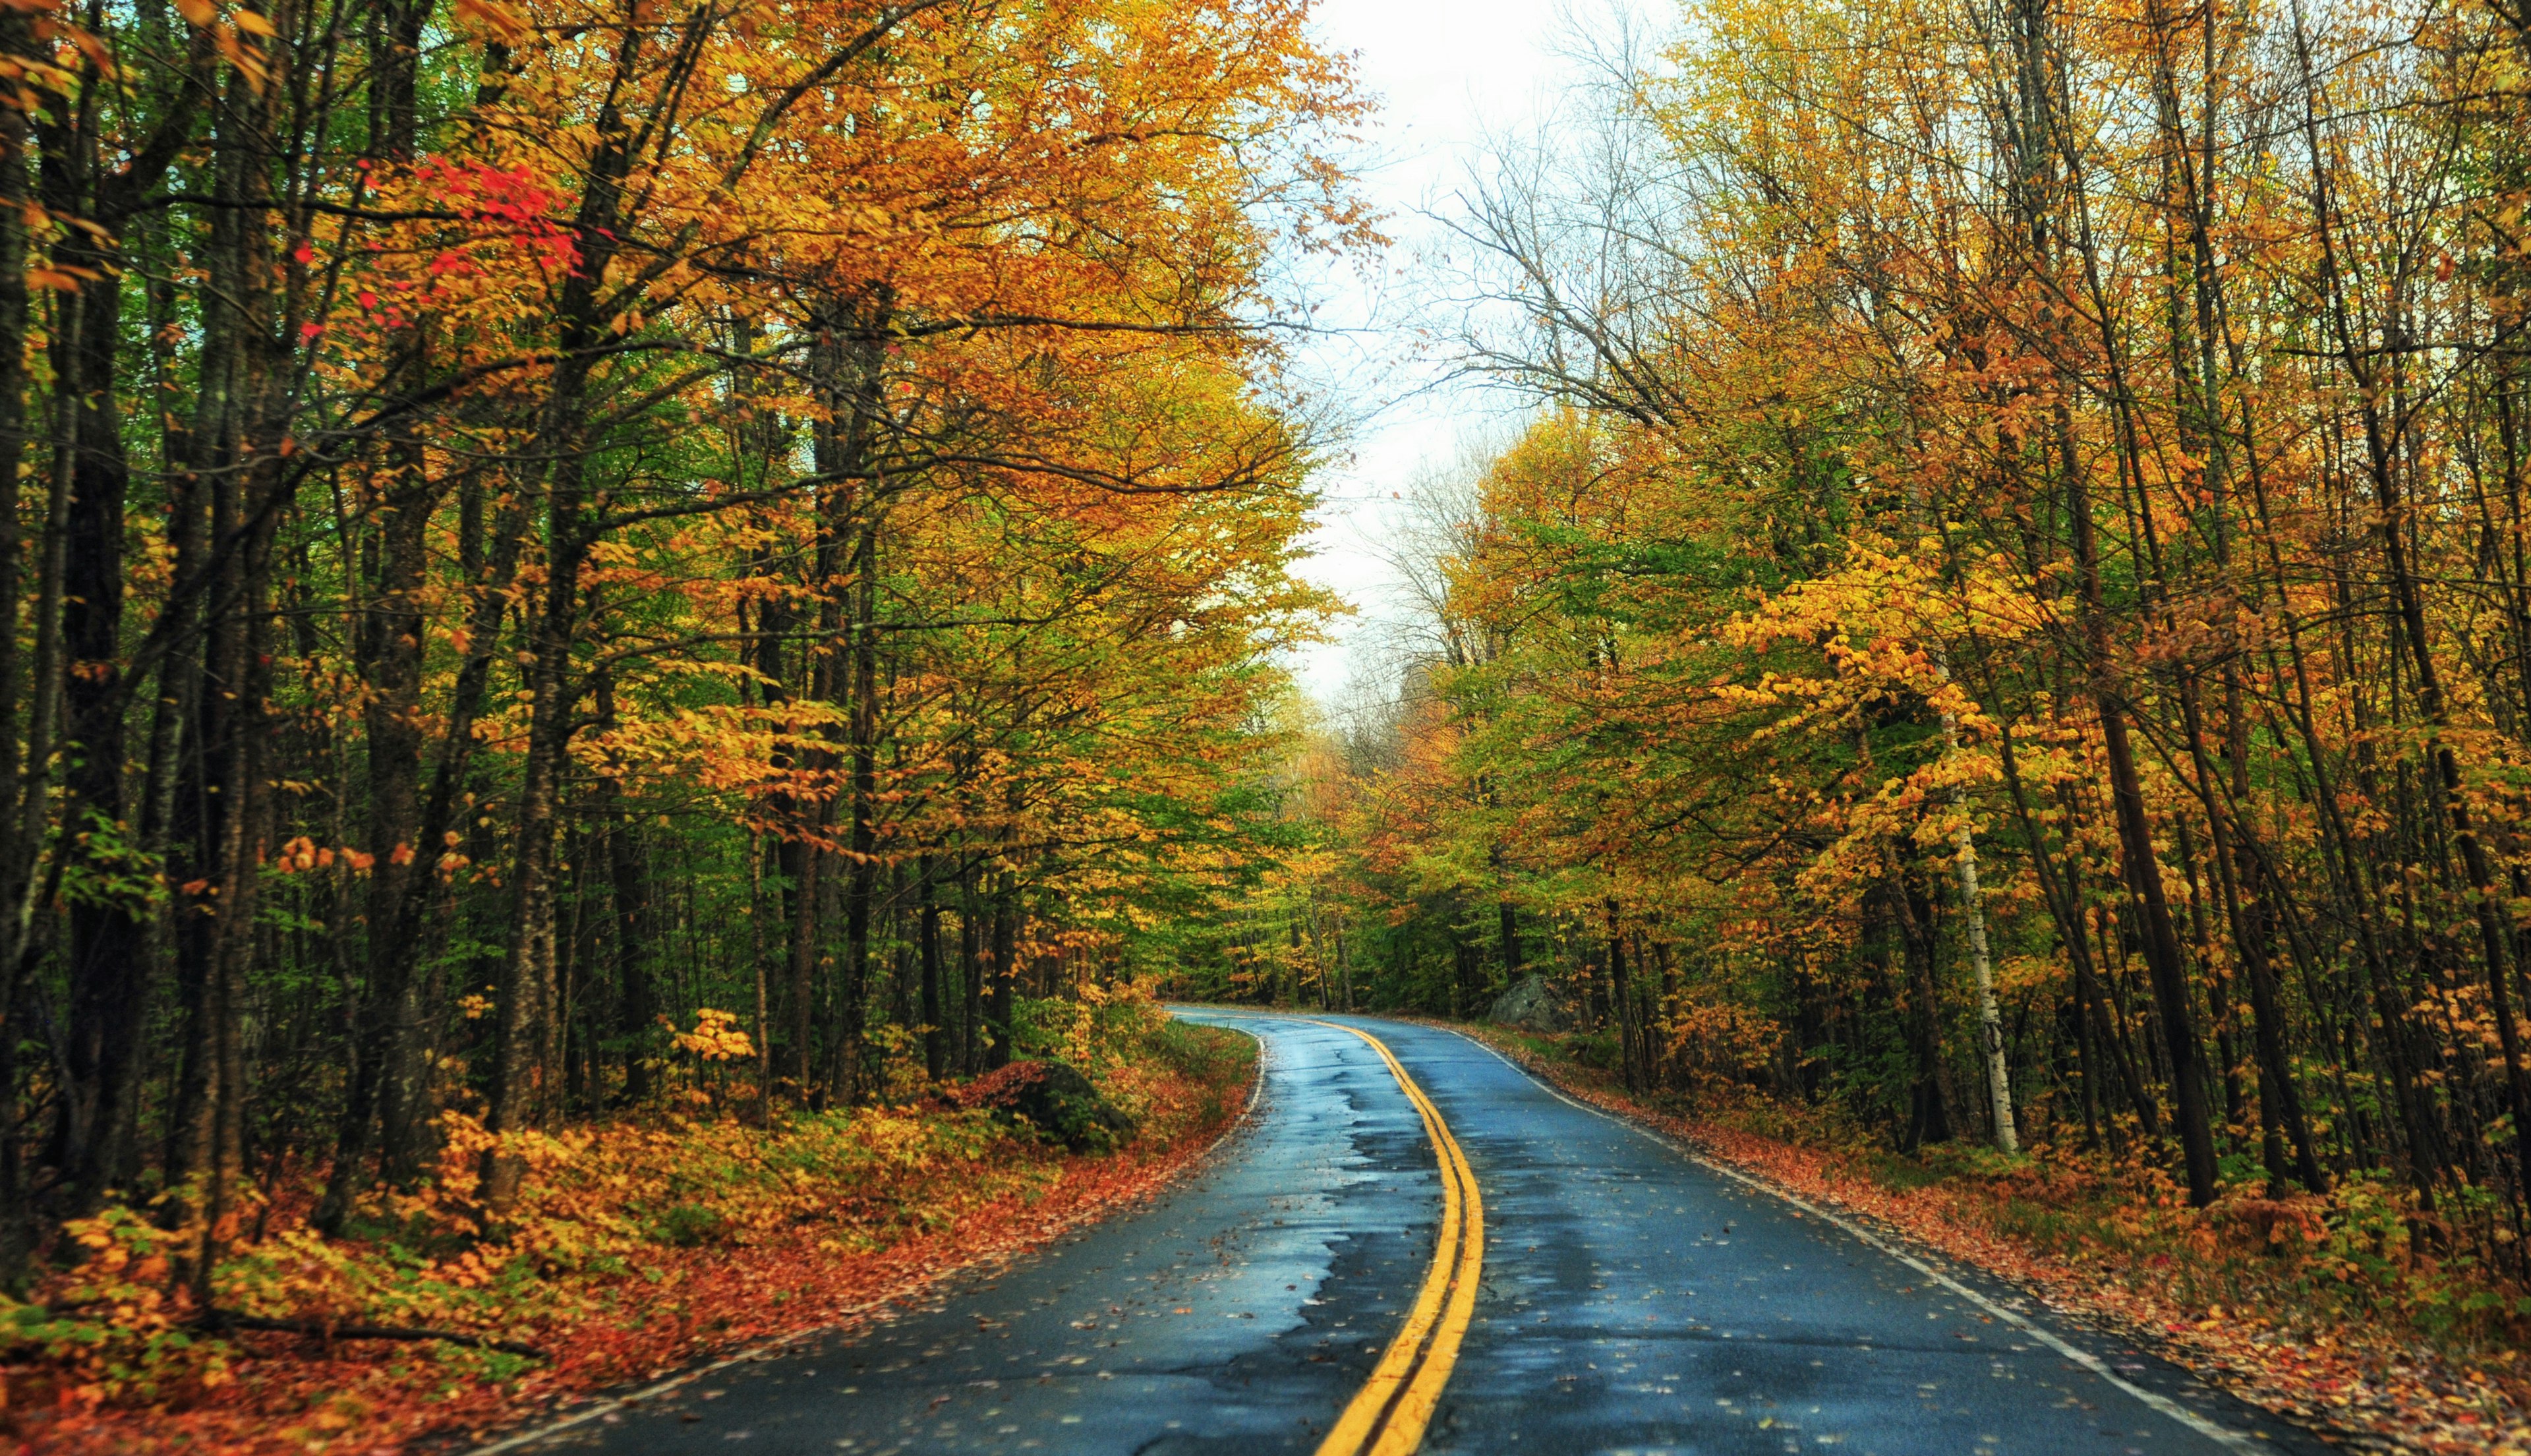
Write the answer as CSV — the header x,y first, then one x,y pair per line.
x,y
195,11
252,23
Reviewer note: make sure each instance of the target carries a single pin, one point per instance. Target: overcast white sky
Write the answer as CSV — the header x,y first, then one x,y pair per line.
x,y
1444,71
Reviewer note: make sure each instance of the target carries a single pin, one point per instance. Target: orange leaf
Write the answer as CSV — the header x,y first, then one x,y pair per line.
x,y
500,19
247,65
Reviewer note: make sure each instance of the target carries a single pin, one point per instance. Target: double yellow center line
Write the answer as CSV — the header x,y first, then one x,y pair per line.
x,y
1387,1415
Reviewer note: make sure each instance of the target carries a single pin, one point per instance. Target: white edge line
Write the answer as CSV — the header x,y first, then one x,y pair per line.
x,y
2221,1434
611,1405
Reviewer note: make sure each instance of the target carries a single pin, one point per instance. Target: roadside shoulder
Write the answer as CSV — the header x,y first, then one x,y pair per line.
x,y
2354,1392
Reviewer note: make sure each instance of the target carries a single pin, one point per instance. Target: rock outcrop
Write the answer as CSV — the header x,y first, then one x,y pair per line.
x,y
1529,1005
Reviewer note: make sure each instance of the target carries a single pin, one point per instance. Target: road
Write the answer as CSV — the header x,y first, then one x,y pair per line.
x,y
1629,1299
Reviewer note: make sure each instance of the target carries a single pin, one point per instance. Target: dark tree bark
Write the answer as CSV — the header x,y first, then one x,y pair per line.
x,y
16,844
972,969
585,312
1930,1097
96,1147
96,1132
1621,987
637,999
1002,1010
935,1035
1511,957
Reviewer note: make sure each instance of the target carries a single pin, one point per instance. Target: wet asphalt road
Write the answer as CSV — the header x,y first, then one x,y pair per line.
x,y
1632,1301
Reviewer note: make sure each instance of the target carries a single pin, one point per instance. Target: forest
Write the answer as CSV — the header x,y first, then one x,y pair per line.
x,y
562,564
2007,618
609,608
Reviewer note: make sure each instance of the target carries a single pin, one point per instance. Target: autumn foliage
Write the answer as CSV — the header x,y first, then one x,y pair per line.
x,y
632,1248
592,596
2007,622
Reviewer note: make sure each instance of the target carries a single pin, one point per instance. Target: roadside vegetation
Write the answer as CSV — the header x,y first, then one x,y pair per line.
x,y
2324,1310
612,618
636,1246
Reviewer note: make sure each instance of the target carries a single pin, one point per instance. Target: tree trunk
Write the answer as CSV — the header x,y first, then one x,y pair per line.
x,y
18,845
585,312
636,1000
1622,989
971,964
95,1144
387,645
935,1036
1002,1016
863,882
1511,956
803,966
1929,1109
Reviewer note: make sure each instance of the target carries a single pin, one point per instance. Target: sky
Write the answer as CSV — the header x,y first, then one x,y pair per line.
x,y
1445,71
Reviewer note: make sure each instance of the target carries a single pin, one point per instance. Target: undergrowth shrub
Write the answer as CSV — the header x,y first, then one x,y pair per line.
x,y
606,1214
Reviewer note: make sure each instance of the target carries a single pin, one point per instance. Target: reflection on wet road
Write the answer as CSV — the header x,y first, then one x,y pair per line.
x,y
1636,1301
1631,1301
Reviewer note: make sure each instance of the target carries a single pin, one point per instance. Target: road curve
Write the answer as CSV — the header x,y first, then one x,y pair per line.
x,y
1632,1299
1242,1311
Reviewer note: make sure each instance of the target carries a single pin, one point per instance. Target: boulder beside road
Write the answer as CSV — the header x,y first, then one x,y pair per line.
x,y
1529,1005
